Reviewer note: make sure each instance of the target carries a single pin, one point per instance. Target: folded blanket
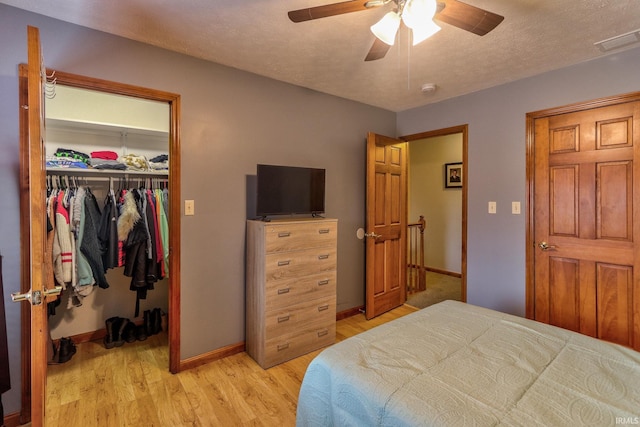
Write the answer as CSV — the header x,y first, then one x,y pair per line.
x,y
159,159
65,153
106,155
107,164
59,162
159,165
135,162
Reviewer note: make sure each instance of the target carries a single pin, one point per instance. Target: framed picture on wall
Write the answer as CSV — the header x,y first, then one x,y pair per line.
x,y
453,175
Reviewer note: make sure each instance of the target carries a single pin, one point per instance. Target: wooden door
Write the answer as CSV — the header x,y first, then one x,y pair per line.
x,y
586,225
33,227
386,211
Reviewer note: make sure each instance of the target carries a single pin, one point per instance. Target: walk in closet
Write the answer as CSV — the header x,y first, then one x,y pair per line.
x,y
101,146
100,126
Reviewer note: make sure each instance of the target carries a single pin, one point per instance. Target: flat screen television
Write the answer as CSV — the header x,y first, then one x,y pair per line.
x,y
289,190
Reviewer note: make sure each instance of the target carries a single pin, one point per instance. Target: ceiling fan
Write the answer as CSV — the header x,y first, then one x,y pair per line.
x,y
418,15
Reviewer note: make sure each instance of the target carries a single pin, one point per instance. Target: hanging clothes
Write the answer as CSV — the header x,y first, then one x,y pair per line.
x,y
164,230
138,256
85,241
90,247
62,250
84,281
108,232
154,231
48,262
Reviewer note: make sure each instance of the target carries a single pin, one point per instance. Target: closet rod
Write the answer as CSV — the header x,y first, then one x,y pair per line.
x,y
107,178
106,172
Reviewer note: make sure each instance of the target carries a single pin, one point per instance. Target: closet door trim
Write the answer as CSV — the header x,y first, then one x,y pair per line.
x,y
83,82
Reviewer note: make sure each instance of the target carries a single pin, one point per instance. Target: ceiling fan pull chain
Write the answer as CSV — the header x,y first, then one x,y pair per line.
x,y
408,65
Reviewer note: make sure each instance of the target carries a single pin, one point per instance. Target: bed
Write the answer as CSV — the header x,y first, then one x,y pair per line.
x,y
459,364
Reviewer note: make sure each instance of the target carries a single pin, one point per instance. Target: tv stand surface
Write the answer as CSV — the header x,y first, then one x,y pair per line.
x,y
280,218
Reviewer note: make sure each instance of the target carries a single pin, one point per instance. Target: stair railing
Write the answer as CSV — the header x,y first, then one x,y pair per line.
x,y
415,257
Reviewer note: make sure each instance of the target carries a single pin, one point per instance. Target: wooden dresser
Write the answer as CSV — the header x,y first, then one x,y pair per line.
x,y
291,288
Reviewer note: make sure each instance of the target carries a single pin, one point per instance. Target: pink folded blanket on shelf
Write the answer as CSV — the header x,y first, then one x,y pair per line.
x,y
106,155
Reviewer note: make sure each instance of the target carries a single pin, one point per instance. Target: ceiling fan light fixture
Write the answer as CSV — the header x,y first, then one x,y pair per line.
x,y
386,28
417,13
422,33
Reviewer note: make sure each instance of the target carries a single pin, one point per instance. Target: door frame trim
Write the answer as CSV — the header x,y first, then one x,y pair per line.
x,y
530,171
79,81
464,130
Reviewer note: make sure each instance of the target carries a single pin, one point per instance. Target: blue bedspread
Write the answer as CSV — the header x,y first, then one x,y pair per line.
x,y
457,364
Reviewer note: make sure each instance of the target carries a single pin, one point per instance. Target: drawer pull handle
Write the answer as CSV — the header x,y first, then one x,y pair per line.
x,y
322,333
323,307
325,256
283,346
323,282
283,319
323,231
284,234
282,263
283,291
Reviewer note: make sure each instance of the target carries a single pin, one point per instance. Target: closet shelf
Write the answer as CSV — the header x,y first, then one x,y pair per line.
x,y
97,128
105,172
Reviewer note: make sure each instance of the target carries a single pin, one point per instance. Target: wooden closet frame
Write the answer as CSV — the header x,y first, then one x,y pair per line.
x,y
83,82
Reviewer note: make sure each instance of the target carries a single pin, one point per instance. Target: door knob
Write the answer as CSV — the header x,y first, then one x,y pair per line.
x,y
545,246
35,297
17,296
361,234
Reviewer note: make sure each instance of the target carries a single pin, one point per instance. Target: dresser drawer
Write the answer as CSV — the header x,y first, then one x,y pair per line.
x,y
302,235
283,265
285,292
289,319
308,338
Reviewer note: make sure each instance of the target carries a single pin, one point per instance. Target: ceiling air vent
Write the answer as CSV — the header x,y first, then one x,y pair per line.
x,y
619,41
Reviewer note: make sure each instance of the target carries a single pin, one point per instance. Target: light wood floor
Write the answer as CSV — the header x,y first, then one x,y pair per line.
x,y
131,386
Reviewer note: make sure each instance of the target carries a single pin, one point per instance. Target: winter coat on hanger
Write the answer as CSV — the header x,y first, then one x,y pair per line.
x,y
83,269
108,233
91,248
62,248
140,263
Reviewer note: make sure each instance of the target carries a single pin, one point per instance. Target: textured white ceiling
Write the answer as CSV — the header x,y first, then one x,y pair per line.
x,y
328,54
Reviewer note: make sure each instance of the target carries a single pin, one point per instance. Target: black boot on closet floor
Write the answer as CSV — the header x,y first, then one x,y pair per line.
x,y
141,333
129,331
118,331
156,321
148,322
109,338
66,350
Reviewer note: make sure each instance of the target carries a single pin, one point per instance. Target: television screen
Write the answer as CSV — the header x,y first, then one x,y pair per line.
x,y
288,190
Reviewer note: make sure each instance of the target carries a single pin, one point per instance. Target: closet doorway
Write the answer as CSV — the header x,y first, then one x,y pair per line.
x,y
446,223
167,293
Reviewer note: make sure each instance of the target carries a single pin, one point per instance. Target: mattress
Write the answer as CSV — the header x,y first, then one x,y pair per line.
x,y
458,364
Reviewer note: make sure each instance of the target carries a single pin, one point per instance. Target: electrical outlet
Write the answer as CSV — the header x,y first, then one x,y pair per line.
x,y
189,207
492,207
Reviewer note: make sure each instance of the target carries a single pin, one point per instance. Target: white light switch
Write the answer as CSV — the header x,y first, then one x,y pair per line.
x,y
492,207
189,207
515,208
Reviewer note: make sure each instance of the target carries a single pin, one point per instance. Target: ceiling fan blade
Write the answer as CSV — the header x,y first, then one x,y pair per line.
x,y
378,50
467,17
317,12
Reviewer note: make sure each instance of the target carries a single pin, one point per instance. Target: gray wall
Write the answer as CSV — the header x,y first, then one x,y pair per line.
x,y
497,161
441,206
231,120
